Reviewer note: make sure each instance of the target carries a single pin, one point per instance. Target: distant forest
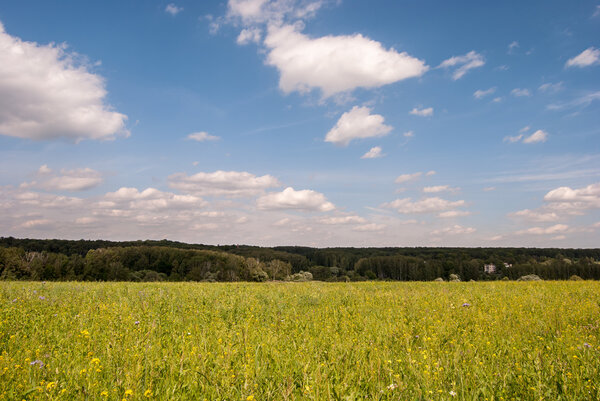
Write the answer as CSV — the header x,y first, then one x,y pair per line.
x,y
33,259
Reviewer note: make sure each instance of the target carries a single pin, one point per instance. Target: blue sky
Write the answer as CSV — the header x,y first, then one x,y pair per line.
x,y
308,122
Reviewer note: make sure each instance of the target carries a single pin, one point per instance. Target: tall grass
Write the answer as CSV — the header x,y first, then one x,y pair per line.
x,y
300,341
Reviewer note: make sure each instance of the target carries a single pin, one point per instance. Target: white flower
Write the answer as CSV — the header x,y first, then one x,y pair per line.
x,y
453,393
392,386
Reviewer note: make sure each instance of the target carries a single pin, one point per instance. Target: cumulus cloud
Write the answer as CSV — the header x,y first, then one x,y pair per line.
x,y
148,199
352,219
423,112
67,180
454,213
518,92
512,46
427,205
303,200
173,9
49,93
335,64
369,227
454,230
480,93
588,57
402,178
253,12
557,228
409,134
535,215
356,124
463,64
249,35
373,153
226,183
439,188
583,198
202,136
537,136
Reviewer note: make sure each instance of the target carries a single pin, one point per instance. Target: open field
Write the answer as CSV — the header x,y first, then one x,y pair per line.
x,y
300,341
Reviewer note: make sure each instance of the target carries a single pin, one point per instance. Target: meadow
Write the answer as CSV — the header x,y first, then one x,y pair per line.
x,y
300,341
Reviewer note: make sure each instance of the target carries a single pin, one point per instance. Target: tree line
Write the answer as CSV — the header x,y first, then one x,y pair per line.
x,y
33,259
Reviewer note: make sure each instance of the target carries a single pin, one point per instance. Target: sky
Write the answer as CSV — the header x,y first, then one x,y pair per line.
x,y
302,122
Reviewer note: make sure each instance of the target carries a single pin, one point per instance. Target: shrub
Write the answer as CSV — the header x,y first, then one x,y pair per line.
x,y
454,278
301,276
575,277
439,279
530,277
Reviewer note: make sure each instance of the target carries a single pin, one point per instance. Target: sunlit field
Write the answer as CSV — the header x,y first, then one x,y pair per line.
x,y
300,341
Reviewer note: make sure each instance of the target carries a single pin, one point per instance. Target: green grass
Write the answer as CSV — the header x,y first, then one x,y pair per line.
x,y
300,341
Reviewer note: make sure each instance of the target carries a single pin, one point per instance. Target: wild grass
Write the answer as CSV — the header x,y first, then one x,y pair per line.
x,y
300,341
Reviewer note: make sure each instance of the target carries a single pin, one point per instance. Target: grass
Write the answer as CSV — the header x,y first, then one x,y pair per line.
x,y
300,341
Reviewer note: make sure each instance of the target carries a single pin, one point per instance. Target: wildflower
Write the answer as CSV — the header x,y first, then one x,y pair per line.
x,y
37,362
452,393
128,392
466,305
50,385
95,360
148,393
41,297
104,393
392,386
250,398
137,322
586,345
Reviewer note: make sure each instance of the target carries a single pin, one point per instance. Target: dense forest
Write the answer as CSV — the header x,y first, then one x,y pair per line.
x,y
31,259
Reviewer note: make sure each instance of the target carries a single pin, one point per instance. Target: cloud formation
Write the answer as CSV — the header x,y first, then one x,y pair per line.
x,y
423,112
172,9
202,136
538,136
463,63
48,93
67,180
335,64
373,153
303,200
357,123
588,57
479,93
427,205
222,183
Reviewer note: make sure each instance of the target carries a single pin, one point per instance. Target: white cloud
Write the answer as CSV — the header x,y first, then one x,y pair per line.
x,y
373,153
537,136
464,63
304,200
357,123
550,87
48,93
36,223
131,199
408,134
513,45
534,215
369,227
246,9
596,12
430,173
454,213
478,94
439,188
352,219
335,64
525,129
557,228
249,35
518,92
173,9
583,101
68,180
226,183
513,139
582,198
423,112
454,230
427,205
407,177
488,189
588,57
202,136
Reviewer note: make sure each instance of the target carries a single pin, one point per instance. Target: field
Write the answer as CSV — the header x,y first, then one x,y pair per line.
x,y
300,341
